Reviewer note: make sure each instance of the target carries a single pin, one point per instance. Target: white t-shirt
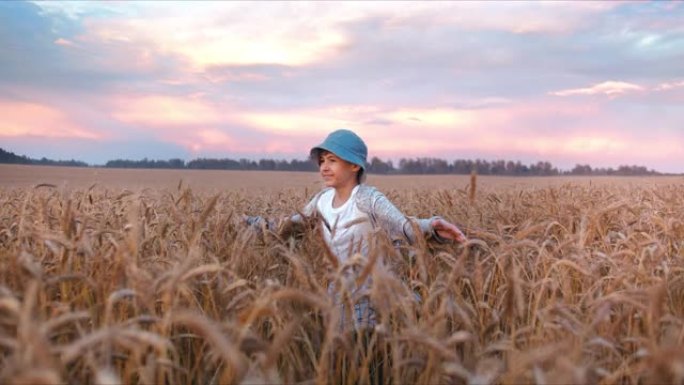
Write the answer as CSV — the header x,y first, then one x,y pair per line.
x,y
346,228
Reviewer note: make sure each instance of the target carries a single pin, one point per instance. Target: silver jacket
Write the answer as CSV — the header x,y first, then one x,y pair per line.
x,y
382,213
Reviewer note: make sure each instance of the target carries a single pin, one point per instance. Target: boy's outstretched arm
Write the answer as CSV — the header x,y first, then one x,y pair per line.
x,y
398,225
287,225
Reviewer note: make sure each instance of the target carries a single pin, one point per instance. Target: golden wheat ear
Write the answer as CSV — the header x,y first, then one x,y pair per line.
x,y
472,191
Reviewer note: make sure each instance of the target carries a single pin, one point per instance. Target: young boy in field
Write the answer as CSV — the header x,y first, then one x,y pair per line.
x,y
351,211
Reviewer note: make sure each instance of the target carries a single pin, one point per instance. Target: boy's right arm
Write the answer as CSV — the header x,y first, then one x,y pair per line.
x,y
295,223
288,225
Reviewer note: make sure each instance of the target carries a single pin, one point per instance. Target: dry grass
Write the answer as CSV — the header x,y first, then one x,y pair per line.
x,y
567,283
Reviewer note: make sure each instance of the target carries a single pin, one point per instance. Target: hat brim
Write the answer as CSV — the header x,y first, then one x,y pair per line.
x,y
315,153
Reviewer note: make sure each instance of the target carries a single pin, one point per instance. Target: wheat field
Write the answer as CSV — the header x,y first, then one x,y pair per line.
x,y
562,281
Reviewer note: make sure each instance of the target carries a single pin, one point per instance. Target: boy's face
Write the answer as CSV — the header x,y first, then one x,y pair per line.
x,y
337,172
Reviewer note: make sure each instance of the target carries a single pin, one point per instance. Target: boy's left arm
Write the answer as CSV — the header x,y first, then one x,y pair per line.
x,y
399,225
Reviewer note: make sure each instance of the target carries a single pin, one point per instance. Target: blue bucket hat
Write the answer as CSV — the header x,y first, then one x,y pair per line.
x,y
346,145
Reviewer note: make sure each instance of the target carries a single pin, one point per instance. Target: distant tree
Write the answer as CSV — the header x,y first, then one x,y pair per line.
x,y
511,167
498,167
581,169
284,165
303,165
634,170
12,158
377,166
267,164
481,167
213,164
543,169
176,163
462,166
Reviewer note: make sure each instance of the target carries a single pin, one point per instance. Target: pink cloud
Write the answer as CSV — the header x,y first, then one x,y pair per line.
x,y
201,37
164,111
301,122
204,139
216,141
234,76
609,88
516,17
21,119
64,42
577,145
609,150
118,49
669,86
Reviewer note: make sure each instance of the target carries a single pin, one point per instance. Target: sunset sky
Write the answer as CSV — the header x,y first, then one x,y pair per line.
x,y
569,82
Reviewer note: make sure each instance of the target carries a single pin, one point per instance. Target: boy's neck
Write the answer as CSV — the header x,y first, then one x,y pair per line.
x,y
342,194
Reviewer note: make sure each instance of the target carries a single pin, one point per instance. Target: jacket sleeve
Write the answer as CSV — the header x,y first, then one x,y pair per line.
x,y
399,226
308,211
287,225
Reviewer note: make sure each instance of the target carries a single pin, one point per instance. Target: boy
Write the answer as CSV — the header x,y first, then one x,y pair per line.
x,y
350,211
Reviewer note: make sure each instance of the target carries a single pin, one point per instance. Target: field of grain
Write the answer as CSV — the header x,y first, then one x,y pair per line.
x,y
120,276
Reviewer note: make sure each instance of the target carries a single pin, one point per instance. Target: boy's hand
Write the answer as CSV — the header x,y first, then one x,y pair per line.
x,y
448,230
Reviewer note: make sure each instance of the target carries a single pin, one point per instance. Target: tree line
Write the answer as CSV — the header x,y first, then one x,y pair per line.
x,y
12,158
217,164
428,166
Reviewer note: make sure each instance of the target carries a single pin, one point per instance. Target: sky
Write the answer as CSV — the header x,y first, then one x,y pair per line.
x,y
599,83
